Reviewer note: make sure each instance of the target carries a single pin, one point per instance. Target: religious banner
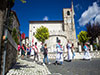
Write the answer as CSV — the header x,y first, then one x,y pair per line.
x,y
23,35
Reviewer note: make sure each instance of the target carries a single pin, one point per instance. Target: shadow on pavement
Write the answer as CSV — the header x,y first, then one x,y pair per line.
x,y
19,66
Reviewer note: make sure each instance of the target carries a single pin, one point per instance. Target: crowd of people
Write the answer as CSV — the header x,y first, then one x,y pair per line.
x,y
33,51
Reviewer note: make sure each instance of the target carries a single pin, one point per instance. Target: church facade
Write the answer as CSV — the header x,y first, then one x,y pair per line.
x,y
63,30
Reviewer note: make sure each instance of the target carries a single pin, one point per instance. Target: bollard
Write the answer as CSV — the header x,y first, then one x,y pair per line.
x,y
91,48
80,49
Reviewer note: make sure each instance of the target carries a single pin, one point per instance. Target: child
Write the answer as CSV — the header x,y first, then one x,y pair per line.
x,y
45,53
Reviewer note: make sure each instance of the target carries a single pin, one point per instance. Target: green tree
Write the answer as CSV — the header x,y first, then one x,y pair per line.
x,y
42,34
11,2
83,37
14,35
23,1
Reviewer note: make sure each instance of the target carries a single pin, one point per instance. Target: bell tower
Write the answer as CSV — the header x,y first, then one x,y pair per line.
x,y
69,25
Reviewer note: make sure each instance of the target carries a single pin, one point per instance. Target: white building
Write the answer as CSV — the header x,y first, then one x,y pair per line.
x,y
63,30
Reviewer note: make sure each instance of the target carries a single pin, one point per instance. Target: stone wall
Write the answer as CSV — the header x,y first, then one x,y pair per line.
x,y
2,13
11,54
1,28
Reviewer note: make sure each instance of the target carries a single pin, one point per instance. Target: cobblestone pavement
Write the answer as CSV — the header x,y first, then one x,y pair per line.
x,y
76,67
28,67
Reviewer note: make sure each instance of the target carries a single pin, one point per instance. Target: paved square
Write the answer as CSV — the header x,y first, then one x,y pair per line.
x,y
76,67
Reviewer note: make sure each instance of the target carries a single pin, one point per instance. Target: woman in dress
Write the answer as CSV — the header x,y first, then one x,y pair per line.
x,y
23,51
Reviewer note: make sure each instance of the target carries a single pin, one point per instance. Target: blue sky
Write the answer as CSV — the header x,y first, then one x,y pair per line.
x,y
38,10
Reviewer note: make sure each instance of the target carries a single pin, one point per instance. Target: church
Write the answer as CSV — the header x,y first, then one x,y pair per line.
x,y
63,30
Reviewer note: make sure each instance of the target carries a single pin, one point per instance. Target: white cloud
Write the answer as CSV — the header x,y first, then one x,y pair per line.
x,y
91,21
89,14
78,7
45,18
97,19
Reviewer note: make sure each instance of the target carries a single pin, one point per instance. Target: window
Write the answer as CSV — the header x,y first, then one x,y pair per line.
x,y
68,12
69,20
33,33
57,39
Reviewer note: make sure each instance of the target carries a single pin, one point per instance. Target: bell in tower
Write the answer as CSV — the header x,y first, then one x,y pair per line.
x,y
69,26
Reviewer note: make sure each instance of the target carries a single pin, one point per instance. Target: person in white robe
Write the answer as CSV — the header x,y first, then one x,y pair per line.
x,y
59,56
69,45
86,52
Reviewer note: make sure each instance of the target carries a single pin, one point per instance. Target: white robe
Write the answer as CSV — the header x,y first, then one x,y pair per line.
x,y
87,55
86,52
69,52
59,56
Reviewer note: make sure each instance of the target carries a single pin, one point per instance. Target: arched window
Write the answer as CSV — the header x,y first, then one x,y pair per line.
x,y
33,33
33,26
57,39
68,12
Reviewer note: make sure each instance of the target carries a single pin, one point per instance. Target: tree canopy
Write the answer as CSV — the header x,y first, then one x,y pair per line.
x,y
14,35
23,1
42,34
83,37
93,30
